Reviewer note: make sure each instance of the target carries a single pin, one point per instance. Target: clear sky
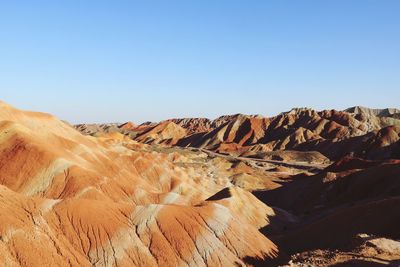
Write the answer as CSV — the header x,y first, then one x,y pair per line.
x,y
102,61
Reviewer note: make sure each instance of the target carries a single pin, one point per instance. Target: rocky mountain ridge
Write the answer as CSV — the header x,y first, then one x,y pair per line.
x,y
300,129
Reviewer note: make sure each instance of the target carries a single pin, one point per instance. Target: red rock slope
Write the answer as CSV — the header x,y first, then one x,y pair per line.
x,y
73,200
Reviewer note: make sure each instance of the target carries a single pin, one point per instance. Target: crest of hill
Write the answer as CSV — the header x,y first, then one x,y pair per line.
x,y
386,112
376,118
166,132
228,118
201,125
239,129
130,126
285,131
96,129
194,125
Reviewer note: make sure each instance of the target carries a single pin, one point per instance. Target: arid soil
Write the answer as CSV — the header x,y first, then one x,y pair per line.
x,y
303,188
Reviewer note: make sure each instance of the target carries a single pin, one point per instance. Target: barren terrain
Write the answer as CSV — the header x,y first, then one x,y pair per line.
x,y
303,188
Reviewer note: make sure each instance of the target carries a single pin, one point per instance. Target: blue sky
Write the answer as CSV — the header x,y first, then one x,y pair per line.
x,y
101,61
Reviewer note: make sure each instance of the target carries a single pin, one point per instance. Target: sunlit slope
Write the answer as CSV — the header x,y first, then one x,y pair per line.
x,y
72,200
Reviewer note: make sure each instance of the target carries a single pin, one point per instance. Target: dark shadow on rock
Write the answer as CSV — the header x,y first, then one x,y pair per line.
x,y
224,193
360,263
333,213
395,263
337,230
256,262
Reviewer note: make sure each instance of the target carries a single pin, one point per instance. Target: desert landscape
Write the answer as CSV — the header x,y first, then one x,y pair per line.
x,y
303,188
199,133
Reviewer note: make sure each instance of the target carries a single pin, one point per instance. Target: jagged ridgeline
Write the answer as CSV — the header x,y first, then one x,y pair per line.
x,y
358,131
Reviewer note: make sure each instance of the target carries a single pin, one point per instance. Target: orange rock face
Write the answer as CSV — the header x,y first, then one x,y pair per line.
x,y
73,200
128,126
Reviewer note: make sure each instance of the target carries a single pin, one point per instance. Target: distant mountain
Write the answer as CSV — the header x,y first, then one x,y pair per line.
x,y
330,132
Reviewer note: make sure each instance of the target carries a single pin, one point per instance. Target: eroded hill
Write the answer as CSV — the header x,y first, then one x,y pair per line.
x,y
74,200
358,131
242,190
